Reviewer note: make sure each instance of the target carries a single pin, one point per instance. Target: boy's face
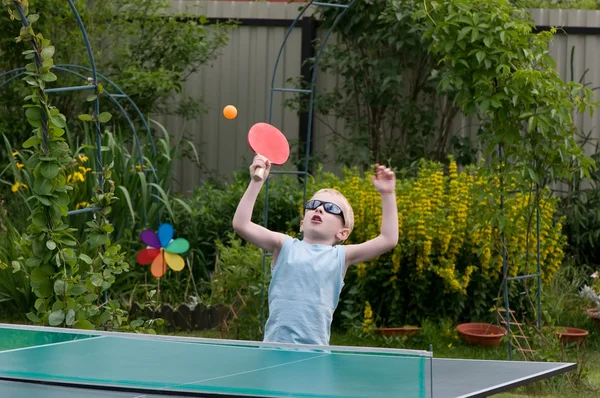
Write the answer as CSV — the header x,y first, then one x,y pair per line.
x,y
321,222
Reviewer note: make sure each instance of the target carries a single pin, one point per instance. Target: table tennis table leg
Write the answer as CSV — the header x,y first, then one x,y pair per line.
x,y
431,371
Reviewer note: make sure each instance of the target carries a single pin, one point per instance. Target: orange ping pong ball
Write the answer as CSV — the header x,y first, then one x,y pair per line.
x,y
230,112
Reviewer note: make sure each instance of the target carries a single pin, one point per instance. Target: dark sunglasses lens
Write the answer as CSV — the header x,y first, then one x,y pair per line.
x,y
332,208
312,204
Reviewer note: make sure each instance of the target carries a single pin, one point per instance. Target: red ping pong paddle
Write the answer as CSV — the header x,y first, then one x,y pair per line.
x,y
268,141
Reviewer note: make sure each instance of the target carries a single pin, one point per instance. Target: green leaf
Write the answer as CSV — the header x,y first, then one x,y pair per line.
x,y
78,290
58,120
137,323
38,275
43,200
48,77
51,245
56,318
105,317
480,55
33,262
31,142
128,201
32,18
96,240
34,113
70,319
49,170
33,318
104,117
85,258
91,97
42,186
96,280
83,324
60,287
48,52
16,266
62,199
85,117
69,256
39,303
463,32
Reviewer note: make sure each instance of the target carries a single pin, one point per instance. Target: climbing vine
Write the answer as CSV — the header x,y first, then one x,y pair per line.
x,y
68,277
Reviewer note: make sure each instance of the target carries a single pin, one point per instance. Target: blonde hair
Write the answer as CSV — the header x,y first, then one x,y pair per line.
x,y
348,212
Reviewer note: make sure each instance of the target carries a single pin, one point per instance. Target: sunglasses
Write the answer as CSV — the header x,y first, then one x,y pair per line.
x,y
329,207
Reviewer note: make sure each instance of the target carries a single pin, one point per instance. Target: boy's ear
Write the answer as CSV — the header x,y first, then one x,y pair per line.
x,y
301,221
343,234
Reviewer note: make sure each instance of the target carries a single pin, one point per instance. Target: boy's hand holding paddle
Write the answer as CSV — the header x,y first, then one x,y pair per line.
x,y
270,146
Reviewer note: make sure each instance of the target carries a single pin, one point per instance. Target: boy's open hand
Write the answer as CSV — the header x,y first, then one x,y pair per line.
x,y
260,162
384,179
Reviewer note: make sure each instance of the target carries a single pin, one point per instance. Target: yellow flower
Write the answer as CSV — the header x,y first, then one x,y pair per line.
x,y
19,165
76,176
15,154
18,185
82,158
361,270
84,169
81,205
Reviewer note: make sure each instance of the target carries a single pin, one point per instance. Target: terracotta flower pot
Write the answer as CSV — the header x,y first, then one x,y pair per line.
x,y
408,331
485,334
570,335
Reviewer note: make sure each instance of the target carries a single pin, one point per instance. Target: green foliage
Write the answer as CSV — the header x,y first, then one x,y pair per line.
x,y
580,205
503,72
146,47
449,251
388,95
68,277
238,283
16,297
213,205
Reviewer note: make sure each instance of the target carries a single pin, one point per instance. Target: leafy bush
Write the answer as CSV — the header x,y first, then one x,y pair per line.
x,y
141,45
16,297
213,205
448,260
388,97
238,283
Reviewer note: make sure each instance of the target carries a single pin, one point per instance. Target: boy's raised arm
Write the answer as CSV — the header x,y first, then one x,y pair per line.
x,y
242,219
385,183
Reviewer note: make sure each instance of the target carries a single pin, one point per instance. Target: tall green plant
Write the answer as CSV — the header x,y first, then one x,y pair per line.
x,y
148,48
387,94
502,72
16,297
67,276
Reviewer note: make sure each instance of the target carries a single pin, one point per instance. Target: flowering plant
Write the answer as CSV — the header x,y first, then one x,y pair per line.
x,y
592,293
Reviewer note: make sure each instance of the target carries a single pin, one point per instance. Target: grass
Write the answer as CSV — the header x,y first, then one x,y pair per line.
x,y
447,344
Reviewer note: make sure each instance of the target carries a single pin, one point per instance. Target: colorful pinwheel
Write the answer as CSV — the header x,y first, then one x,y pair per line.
x,y
162,250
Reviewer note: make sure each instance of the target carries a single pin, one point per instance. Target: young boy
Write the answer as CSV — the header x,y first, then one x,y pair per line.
x,y
307,275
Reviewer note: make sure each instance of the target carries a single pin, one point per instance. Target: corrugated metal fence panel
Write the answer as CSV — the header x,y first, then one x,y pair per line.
x,y
242,77
576,54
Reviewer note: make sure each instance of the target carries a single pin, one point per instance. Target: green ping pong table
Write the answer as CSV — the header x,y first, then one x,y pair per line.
x,y
47,362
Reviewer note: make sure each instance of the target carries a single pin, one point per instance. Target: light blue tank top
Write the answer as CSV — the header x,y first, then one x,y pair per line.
x,y
305,288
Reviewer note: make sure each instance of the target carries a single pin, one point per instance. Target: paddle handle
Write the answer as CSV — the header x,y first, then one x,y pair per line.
x,y
259,174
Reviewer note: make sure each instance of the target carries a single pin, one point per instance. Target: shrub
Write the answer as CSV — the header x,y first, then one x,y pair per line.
x,y
448,260
213,205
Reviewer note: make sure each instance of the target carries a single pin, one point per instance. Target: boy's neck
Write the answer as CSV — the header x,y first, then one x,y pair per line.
x,y
316,241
